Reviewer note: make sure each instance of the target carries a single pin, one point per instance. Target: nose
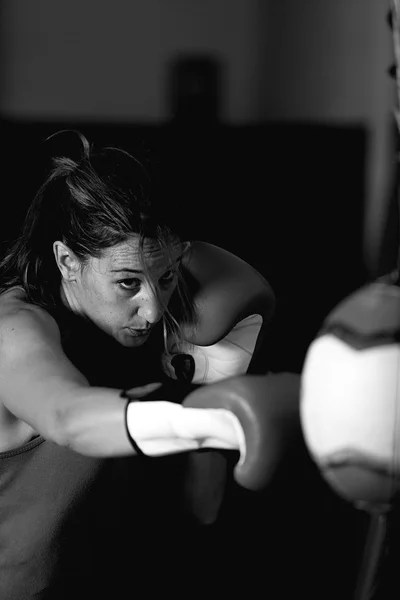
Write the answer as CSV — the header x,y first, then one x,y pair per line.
x,y
149,307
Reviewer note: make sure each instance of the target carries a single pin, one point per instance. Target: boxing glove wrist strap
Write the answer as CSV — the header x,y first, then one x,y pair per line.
x,y
133,442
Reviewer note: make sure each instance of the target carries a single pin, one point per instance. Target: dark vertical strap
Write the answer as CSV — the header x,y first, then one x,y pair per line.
x,y
133,442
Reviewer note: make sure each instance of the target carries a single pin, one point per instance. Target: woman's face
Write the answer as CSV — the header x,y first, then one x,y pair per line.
x,y
118,297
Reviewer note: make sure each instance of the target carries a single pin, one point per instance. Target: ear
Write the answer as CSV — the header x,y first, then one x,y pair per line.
x,y
66,260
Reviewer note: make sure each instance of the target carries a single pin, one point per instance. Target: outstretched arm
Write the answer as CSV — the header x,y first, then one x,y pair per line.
x,y
40,386
252,414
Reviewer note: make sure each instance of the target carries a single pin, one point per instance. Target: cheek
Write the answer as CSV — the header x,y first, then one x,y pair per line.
x,y
101,297
112,309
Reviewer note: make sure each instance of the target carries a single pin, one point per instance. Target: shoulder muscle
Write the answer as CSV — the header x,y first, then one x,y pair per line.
x,y
228,289
35,374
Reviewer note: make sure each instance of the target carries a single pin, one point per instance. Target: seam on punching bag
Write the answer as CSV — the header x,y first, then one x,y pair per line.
x,y
361,341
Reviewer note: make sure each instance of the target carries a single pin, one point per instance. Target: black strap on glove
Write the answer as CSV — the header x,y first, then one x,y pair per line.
x,y
133,442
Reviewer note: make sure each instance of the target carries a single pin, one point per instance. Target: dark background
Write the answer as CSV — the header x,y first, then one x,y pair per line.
x,y
284,184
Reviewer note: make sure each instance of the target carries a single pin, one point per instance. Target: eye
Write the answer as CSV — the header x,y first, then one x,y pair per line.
x,y
129,284
168,277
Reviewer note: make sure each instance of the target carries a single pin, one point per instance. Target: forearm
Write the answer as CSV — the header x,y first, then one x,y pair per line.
x,y
95,425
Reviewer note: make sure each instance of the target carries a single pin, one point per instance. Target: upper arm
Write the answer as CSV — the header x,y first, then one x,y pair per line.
x,y
36,377
227,290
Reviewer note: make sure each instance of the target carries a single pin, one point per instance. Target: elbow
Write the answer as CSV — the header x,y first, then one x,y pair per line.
x,y
61,427
72,429
65,425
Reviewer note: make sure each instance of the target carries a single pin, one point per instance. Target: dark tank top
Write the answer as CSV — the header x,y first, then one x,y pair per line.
x,y
103,360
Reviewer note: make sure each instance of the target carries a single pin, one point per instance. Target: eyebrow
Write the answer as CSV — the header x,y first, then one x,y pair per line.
x,y
127,269
138,271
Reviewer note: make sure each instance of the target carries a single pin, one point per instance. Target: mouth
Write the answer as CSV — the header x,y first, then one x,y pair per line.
x,y
138,332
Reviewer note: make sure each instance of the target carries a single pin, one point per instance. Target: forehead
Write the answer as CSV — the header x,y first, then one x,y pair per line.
x,y
126,255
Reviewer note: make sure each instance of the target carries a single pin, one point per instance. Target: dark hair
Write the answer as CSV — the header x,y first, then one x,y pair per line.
x,y
90,201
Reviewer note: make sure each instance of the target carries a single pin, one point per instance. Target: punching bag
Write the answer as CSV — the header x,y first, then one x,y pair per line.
x,y
350,396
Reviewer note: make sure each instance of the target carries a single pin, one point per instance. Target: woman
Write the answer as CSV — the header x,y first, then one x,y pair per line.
x,y
102,292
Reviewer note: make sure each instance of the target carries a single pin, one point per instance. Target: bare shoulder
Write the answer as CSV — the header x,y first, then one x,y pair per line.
x,y
22,323
225,289
37,381
210,264
29,343
214,257
217,271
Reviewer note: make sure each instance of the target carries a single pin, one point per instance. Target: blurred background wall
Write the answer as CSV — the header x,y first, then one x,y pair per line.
x,y
293,164
95,60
